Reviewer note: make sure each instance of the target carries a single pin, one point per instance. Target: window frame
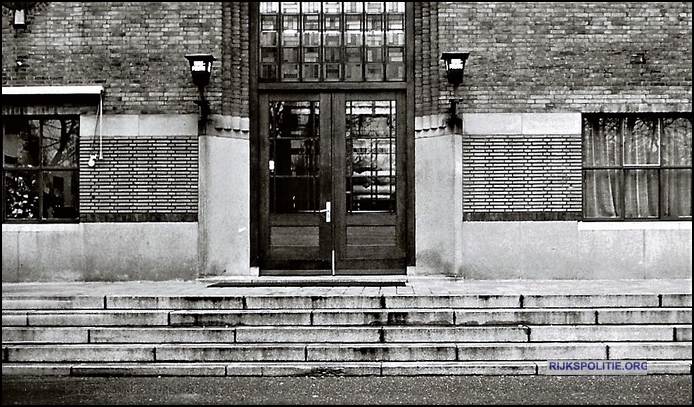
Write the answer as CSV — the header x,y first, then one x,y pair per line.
x,y
42,169
278,14
622,167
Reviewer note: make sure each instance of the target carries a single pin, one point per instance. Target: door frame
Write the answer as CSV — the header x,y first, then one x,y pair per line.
x,y
256,87
352,242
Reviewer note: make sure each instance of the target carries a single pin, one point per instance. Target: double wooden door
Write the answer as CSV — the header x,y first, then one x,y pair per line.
x,y
332,183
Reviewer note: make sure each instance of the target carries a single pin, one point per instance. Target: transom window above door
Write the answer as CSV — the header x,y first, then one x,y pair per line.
x,y
332,41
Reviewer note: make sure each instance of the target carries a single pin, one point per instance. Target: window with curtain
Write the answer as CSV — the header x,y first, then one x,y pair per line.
x,y
40,168
637,167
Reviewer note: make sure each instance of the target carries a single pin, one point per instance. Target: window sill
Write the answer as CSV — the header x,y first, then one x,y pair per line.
x,y
644,225
40,227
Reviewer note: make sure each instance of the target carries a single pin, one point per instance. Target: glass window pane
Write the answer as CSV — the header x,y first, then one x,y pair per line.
x,y
374,54
395,71
312,22
269,7
310,6
332,23
395,38
332,72
374,7
641,142
641,193
353,72
21,195
370,163
374,72
290,55
290,72
294,138
374,23
268,71
268,39
290,7
332,55
332,7
353,38
677,193
353,22
318,25
290,23
677,141
60,195
268,55
268,23
374,38
603,194
396,22
311,55
353,6
311,72
395,7
312,39
601,141
20,142
290,38
332,39
60,143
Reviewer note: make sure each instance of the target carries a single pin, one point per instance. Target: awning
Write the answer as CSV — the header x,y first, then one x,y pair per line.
x,y
51,90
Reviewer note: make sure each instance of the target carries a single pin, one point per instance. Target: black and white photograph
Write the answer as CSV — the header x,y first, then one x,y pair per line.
x,y
346,203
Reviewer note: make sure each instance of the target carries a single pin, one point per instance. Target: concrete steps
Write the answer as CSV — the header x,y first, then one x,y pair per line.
x,y
273,334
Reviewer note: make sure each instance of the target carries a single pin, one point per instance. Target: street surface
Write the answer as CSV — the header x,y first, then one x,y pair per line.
x,y
418,390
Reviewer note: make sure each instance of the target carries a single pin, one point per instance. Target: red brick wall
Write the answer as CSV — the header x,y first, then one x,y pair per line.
x,y
136,51
141,178
505,175
565,56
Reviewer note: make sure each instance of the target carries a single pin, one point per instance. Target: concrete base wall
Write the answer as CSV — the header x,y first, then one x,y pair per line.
x,y
99,252
224,205
438,203
576,250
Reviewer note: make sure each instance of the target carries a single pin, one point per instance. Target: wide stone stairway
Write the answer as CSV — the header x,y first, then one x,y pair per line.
x,y
416,327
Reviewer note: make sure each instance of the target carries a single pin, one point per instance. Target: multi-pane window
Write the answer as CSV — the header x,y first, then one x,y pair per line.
x,y
332,41
637,166
40,168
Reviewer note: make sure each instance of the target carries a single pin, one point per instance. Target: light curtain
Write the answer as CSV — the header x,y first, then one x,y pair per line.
x,y
637,167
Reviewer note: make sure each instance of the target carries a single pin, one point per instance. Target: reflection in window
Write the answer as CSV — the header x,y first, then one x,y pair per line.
x,y
332,41
370,160
294,137
40,168
637,167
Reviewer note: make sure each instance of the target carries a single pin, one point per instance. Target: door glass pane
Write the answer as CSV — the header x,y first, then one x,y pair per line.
x,y
370,156
294,148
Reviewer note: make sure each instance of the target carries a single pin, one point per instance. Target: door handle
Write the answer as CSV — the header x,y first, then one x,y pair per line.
x,y
326,211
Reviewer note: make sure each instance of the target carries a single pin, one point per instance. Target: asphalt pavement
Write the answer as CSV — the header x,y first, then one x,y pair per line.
x,y
397,390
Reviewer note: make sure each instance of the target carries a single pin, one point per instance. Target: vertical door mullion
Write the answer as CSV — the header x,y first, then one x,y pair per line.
x,y
338,175
401,169
264,175
325,171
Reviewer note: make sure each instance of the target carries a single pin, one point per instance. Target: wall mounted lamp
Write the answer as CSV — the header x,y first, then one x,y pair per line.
x,y
455,69
19,19
201,69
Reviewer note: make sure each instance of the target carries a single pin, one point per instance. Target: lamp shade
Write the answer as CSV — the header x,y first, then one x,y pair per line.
x,y
201,67
455,66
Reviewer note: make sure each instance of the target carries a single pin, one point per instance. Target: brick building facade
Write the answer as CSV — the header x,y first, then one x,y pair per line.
x,y
170,198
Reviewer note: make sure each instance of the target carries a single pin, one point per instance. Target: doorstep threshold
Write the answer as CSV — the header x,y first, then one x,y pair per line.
x,y
307,281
